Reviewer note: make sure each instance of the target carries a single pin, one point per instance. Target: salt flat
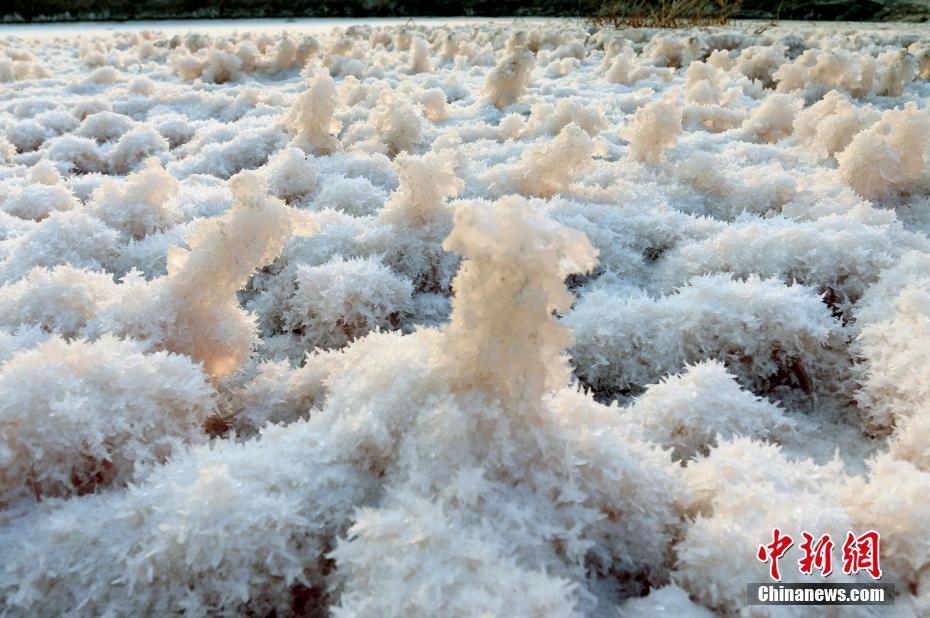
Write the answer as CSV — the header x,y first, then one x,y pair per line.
x,y
458,317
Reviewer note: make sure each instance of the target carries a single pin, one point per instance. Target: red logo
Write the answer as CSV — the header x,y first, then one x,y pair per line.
x,y
772,552
817,555
860,553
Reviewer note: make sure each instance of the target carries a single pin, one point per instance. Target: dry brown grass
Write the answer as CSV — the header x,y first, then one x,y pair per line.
x,y
662,13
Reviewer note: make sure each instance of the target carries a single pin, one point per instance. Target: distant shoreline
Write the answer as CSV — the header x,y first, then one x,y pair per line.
x,y
325,24
123,11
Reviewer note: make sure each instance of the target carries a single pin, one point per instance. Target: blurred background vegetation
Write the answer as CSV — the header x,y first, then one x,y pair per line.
x,y
846,10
